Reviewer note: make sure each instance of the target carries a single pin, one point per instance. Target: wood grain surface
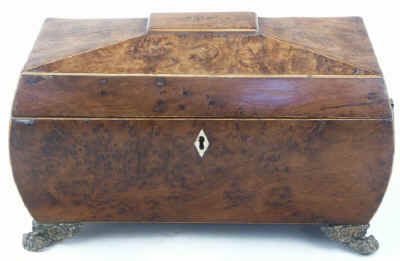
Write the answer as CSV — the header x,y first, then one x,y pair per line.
x,y
344,39
204,54
333,46
203,22
127,96
61,38
255,171
296,112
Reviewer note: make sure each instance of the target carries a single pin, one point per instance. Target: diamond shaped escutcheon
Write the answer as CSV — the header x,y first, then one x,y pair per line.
x,y
201,143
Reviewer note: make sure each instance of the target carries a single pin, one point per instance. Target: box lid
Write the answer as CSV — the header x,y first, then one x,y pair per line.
x,y
203,65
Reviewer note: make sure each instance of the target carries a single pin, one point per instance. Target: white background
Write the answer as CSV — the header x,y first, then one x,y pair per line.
x,y
20,22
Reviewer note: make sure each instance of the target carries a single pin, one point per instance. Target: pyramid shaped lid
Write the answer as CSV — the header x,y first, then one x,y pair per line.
x,y
219,65
220,44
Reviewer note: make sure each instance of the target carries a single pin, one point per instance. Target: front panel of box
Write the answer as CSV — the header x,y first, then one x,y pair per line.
x,y
250,170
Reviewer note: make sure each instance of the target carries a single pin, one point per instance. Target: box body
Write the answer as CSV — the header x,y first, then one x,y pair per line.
x,y
298,121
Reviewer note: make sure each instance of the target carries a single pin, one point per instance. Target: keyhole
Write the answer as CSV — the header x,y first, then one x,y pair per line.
x,y
201,140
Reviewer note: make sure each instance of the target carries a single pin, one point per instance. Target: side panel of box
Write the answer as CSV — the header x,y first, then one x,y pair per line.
x,y
254,171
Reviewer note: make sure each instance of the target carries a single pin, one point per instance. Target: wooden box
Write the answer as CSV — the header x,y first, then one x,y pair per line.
x,y
205,118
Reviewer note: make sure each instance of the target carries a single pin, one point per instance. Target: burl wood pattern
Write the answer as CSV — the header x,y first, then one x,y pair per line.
x,y
296,113
201,54
343,50
255,171
127,96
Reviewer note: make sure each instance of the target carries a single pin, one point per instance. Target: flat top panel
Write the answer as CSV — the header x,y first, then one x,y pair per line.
x,y
176,44
127,96
203,22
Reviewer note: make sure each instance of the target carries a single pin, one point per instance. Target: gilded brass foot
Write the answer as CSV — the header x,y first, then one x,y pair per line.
x,y
352,236
44,235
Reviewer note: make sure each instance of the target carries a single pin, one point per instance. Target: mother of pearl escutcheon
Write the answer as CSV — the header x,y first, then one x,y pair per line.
x,y
201,143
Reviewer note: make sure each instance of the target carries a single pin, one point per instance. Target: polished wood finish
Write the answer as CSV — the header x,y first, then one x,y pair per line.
x,y
61,38
296,111
342,48
127,96
204,55
255,171
344,39
203,22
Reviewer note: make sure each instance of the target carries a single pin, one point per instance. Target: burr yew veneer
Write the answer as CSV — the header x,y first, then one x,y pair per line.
x,y
202,118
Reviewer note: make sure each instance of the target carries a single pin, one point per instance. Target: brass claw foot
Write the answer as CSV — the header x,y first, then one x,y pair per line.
x,y
44,235
352,236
